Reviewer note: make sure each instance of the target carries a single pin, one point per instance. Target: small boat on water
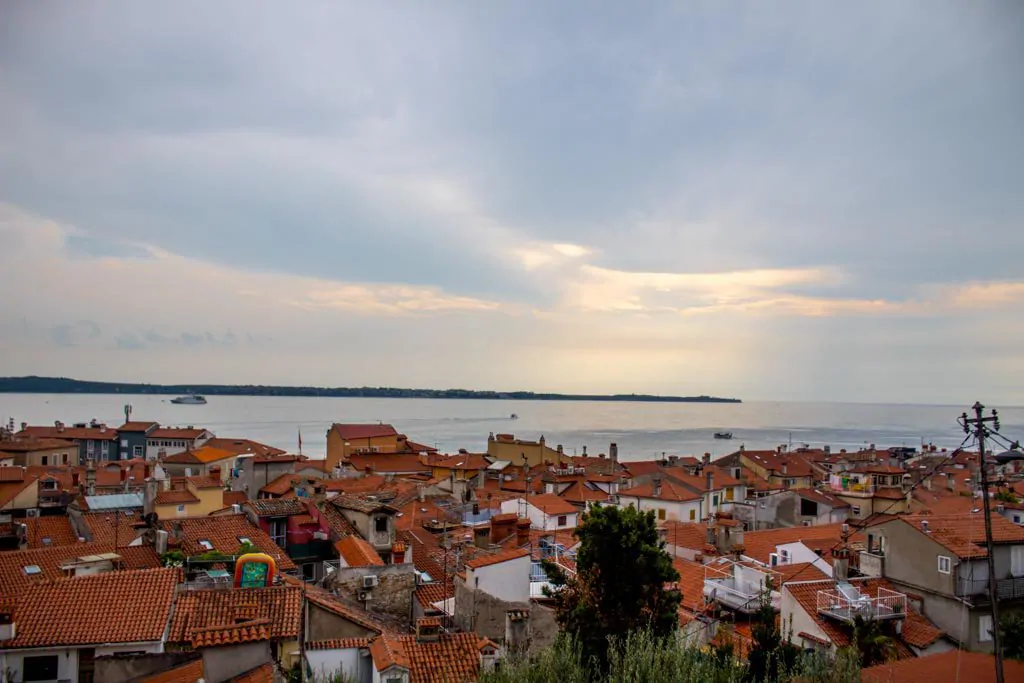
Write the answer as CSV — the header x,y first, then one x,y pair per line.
x,y
723,435
513,416
191,400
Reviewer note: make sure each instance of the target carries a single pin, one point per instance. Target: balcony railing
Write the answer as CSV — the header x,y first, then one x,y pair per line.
x,y
1006,589
845,602
724,585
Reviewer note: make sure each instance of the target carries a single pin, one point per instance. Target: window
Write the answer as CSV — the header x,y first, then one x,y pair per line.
x,y
693,514
380,524
181,508
39,668
855,510
661,513
308,572
205,545
728,493
808,508
124,443
137,451
773,559
562,520
44,460
64,458
1016,519
1017,560
944,564
784,556
984,628
244,540
714,500
104,447
278,531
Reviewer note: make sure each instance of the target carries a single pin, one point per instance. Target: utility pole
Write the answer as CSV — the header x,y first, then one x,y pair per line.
x,y
977,426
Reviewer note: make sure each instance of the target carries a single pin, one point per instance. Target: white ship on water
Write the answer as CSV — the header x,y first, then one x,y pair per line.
x,y
191,400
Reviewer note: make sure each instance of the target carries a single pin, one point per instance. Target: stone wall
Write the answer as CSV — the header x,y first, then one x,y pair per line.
x,y
125,667
393,594
325,625
478,611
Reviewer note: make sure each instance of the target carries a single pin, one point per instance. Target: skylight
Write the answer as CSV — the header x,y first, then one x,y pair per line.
x,y
32,569
244,540
206,545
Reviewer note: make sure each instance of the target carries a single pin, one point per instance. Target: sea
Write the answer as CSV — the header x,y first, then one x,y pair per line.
x,y
642,430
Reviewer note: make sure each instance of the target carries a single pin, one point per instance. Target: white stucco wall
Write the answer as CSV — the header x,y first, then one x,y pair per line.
x,y
325,662
801,621
509,580
538,519
798,552
67,658
679,511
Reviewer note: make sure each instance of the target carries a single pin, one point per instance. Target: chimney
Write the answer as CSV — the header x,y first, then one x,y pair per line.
x,y
950,484
584,451
560,449
160,545
517,630
428,629
742,448
215,474
613,452
502,526
710,476
7,629
24,426
152,487
707,458
76,479
90,478
657,486
522,532
924,526
398,553
928,483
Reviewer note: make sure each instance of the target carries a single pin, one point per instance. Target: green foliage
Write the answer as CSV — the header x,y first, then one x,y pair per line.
x,y
1011,631
172,558
619,586
641,656
771,657
246,548
1005,497
871,642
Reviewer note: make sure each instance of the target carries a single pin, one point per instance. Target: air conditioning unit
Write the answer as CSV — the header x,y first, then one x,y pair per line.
x,y
365,595
369,581
1000,508
808,523
32,513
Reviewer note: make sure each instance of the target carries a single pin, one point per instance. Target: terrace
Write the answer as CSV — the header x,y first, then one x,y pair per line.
x,y
845,603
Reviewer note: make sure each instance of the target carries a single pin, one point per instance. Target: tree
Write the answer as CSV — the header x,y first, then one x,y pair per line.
x,y
1011,630
873,644
620,583
770,655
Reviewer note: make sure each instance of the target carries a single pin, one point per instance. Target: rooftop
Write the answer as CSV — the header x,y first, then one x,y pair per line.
x,y
280,606
278,507
759,545
551,504
453,657
187,433
225,534
114,607
363,431
497,558
964,535
205,454
670,491
356,552
947,667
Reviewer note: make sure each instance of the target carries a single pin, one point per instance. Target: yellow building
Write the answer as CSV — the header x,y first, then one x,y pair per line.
x,y
458,467
781,470
200,496
344,440
507,447
30,452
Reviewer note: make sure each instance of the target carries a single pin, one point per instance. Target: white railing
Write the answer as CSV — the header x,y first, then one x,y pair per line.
x,y
721,584
847,602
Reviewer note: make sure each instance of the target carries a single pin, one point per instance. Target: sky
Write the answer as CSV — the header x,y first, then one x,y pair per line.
x,y
791,201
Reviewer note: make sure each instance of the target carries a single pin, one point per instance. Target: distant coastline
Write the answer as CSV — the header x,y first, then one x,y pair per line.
x,y
64,385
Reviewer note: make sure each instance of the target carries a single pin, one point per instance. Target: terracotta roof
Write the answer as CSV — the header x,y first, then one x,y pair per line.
x,y
12,488
319,465
234,498
691,583
187,433
79,433
279,606
278,507
760,544
685,534
964,535
337,521
14,580
397,463
794,464
189,672
334,604
242,446
114,607
205,481
231,634
823,497
670,491
799,571
338,644
454,657
223,533
263,673
429,593
500,556
30,445
282,484
43,532
357,552
877,468
205,454
462,461
579,492
136,426
947,667
363,431
921,631
551,504
108,527
360,504
175,498
419,447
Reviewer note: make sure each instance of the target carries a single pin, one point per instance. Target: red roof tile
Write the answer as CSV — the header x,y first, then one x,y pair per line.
x,y
234,498
280,606
243,446
397,463
964,534
115,607
500,556
223,532
186,433
363,431
760,544
31,445
137,426
454,657
670,491
691,583
338,644
83,433
685,534
261,674
231,634
946,667
175,498
189,672
357,552
205,454
43,532
551,504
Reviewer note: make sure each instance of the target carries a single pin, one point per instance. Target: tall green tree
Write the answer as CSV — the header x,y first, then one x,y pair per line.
x,y
620,583
771,656
1011,631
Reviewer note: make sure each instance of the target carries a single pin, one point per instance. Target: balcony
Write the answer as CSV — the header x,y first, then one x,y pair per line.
x,y
1006,589
740,587
845,603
